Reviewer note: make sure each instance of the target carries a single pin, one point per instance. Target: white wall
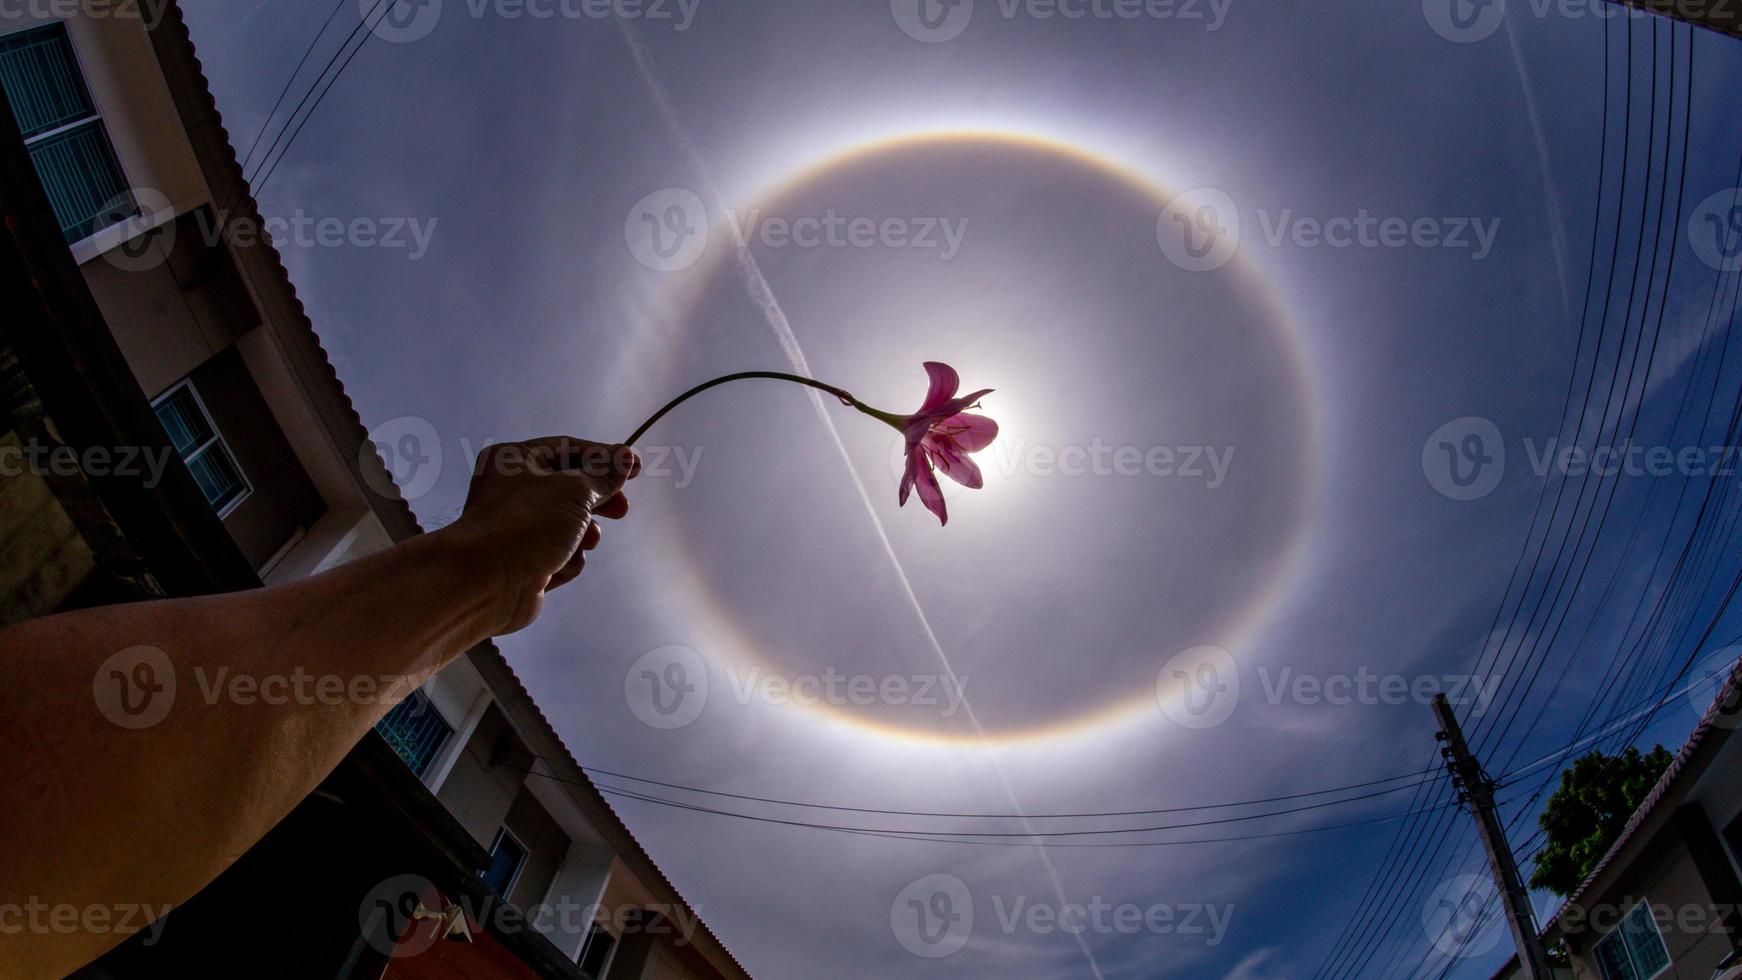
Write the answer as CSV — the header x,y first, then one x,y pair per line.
x,y
575,893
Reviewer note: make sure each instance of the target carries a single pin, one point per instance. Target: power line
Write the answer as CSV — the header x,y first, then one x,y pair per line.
x,y
1105,831
1478,735
290,82
1405,882
960,837
1008,816
1643,709
1573,373
1340,947
1459,863
260,180
1353,943
1677,584
1657,330
997,836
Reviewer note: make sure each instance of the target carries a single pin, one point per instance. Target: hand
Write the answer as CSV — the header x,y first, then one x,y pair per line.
x,y
531,516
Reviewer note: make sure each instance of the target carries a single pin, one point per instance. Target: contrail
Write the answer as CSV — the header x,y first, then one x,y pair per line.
x,y
762,294
1557,235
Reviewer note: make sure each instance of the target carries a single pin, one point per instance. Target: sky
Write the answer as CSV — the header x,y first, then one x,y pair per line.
x,y
1290,310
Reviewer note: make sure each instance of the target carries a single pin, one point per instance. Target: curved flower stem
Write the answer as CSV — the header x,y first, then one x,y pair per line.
x,y
844,396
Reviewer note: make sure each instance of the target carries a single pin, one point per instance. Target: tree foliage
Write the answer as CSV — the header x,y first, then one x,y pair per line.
x,y
1597,795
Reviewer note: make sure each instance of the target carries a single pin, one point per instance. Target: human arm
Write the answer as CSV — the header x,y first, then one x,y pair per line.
x,y
119,792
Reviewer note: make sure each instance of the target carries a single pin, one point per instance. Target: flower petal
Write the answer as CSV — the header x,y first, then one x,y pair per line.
x,y
970,433
930,494
908,474
955,464
944,383
914,431
955,405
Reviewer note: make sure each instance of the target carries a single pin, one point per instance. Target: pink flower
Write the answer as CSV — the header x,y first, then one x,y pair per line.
x,y
940,436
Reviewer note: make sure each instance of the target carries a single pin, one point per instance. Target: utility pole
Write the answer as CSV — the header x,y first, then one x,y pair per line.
x,y
1477,790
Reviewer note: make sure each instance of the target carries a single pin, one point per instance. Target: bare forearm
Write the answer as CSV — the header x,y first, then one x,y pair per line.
x,y
154,743
149,745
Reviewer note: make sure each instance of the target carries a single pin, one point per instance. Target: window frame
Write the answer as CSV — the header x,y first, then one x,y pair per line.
x,y
216,439
1618,934
97,118
520,866
594,932
416,696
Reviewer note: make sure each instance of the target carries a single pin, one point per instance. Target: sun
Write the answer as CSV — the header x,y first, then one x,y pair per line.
x,y
1022,335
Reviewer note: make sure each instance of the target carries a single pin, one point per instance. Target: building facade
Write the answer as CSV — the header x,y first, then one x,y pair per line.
x,y
1666,899
174,427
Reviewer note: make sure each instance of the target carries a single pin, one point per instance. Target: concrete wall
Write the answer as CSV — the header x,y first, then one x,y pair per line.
x,y
282,501
545,845
1719,794
176,307
662,964
172,300
1665,874
476,792
579,885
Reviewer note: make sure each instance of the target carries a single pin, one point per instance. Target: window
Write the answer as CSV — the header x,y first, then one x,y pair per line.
x,y
415,730
1633,950
507,855
596,952
196,439
66,137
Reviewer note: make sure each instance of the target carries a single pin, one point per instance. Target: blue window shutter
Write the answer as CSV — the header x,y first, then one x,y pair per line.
x,y
83,180
74,159
506,856
42,80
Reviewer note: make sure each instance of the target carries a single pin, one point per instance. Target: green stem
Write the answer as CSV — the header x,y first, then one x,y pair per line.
x,y
845,397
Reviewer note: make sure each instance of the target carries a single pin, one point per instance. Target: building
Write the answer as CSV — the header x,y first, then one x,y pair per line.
x,y
1666,899
172,426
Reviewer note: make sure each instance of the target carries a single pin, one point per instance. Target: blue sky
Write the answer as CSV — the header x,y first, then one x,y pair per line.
x,y
1244,448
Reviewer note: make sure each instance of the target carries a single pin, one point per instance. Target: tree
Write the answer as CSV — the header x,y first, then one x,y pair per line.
x,y
1588,811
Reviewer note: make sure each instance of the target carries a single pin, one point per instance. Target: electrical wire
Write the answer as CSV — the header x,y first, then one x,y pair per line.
x,y
1004,816
290,82
280,145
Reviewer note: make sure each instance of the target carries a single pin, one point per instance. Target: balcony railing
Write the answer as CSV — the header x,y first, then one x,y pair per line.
x,y
415,730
